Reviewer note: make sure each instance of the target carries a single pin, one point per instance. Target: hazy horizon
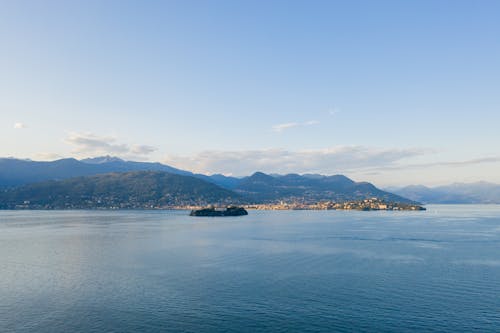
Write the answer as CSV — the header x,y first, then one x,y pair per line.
x,y
394,93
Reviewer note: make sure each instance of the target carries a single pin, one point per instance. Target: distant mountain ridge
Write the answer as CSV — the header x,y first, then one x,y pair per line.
x,y
15,172
458,193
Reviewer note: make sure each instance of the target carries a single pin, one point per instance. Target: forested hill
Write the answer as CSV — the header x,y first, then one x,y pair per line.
x,y
261,187
139,189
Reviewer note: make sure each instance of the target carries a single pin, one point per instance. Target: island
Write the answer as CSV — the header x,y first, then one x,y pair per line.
x,y
212,211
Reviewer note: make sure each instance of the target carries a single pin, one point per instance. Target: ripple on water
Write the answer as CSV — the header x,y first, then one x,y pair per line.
x,y
271,271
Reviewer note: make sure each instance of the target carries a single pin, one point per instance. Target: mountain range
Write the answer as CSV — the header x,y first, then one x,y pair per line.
x,y
15,172
459,193
257,188
112,182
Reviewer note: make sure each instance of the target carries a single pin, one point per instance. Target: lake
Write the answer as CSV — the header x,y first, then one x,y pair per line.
x,y
279,271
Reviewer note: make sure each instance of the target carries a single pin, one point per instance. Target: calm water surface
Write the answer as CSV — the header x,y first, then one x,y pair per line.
x,y
290,271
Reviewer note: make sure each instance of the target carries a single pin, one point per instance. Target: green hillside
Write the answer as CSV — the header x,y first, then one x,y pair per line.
x,y
139,189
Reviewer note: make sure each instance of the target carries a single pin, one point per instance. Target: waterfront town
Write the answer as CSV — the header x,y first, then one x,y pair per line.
x,y
364,205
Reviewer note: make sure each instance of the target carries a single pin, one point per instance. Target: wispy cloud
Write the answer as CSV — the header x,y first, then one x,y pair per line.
x,y
47,156
19,125
285,126
333,111
142,149
89,144
311,122
340,159
475,161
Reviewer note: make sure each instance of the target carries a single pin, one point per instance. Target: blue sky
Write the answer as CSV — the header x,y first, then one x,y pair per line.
x,y
393,92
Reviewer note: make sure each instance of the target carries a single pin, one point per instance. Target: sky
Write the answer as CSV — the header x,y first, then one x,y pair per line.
x,y
391,92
